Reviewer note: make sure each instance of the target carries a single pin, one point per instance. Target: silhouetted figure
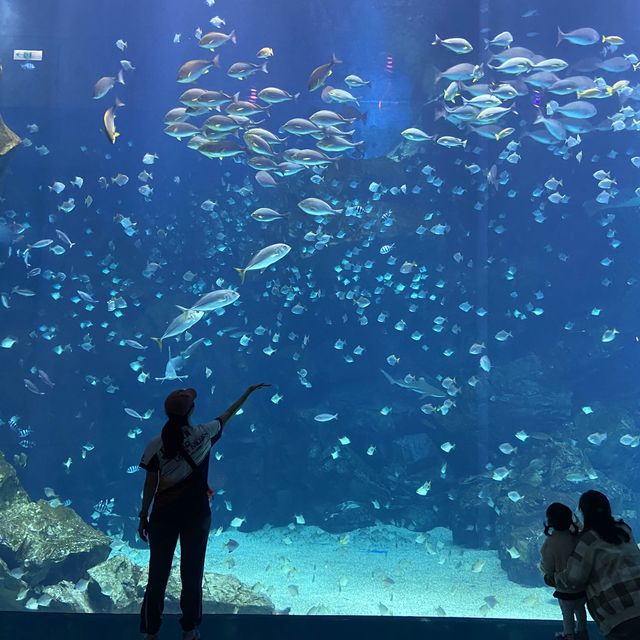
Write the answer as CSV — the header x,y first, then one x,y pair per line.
x,y
606,563
562,538
177,464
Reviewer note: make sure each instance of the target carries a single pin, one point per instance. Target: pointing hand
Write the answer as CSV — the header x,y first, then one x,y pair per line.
x,y
255,387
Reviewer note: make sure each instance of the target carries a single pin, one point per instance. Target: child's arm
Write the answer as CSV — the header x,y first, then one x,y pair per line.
x,y
547,565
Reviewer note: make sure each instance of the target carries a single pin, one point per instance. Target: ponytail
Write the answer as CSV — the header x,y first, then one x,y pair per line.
x,y
172,435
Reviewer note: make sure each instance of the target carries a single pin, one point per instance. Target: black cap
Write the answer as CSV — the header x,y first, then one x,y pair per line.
x,y
180,401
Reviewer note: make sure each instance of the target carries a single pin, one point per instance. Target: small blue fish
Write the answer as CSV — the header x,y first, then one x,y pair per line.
x,y
28,66
134,468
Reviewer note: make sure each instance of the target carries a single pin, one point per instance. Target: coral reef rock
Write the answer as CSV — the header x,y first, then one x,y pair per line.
x,y
49,543
8,139
117,585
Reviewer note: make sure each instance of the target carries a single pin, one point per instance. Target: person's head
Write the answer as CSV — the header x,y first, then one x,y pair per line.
x,y
596,512
178,406
559,518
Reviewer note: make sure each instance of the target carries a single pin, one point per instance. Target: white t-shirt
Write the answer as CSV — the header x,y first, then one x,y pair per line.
x,y
197,443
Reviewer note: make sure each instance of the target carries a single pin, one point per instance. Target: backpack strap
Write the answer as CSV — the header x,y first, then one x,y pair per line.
x,y
198,470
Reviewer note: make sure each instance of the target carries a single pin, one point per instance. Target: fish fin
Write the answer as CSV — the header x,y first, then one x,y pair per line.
x,y
335,60
241,272
387,376
560,36
185,311
158,341
263,67
216,61
232,37
236,96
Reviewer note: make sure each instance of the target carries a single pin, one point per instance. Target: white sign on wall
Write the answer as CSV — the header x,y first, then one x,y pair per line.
x,y
27,54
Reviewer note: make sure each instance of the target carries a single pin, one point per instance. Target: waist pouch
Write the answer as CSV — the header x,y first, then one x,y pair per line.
x,y
186,491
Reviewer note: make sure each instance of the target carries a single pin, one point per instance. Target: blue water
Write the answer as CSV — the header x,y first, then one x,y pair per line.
x,y
276,460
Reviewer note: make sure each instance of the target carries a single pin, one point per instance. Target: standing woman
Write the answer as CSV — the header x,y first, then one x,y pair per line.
x,y
177,464
606,564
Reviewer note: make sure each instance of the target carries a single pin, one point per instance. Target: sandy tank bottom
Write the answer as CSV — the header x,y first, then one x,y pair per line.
x,y
380,570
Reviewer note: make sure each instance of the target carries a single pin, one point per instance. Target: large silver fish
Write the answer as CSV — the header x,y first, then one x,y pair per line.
x,y
192,70
320,74
265,258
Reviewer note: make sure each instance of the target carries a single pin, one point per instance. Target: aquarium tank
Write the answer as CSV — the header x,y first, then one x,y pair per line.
x,y
417,221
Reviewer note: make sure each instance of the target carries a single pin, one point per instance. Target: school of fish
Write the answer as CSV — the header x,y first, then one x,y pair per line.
x,y
266,233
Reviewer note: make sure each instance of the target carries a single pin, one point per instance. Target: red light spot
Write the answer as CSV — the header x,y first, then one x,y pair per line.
x,y
389,65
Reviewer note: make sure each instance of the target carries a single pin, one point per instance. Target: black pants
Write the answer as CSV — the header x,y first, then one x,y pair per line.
x,y
163,536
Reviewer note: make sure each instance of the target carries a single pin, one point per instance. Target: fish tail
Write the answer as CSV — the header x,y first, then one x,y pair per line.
x,y
296,96
119,103
120,77
335,60
464,144
436,39
158,341
538,119
263,67
232,37
241,272
216,61
560,36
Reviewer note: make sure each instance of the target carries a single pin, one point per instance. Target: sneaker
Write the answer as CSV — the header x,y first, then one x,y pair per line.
x,y
194,634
